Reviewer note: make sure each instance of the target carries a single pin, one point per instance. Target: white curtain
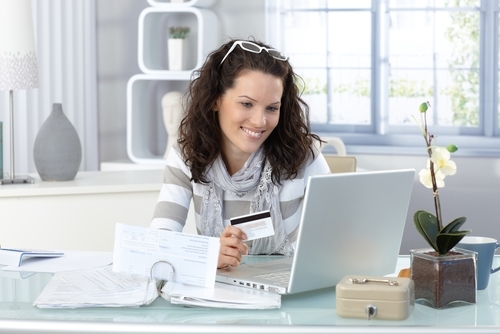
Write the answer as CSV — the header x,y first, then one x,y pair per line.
x,y
65,34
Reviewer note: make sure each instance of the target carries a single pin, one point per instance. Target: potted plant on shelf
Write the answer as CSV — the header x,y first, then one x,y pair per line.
x,y
176,41
442,275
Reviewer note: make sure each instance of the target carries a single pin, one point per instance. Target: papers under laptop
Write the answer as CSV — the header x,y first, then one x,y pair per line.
x,y
351,223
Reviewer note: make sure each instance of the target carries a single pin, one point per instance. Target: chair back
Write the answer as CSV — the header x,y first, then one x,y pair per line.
x,y
341,164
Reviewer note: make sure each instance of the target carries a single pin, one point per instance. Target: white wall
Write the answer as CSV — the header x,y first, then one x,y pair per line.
x,y
117,22
241,18
473,192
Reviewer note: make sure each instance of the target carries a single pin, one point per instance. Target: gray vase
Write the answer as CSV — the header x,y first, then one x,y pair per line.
x,y
57,151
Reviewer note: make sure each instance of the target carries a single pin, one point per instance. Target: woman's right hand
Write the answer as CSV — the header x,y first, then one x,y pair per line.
x,y
232,247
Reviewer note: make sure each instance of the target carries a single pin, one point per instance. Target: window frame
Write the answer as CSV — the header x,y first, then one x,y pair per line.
x,y
380,138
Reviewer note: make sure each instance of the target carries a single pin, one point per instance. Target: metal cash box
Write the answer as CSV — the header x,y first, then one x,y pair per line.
x,y
369,297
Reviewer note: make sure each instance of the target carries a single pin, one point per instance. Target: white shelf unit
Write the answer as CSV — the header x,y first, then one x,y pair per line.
x,y
169,3
154,23
146,134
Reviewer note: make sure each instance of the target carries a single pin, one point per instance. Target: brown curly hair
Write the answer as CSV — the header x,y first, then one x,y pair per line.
x,y
287,148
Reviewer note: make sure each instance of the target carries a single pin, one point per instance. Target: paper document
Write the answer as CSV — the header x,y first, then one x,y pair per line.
x,y
15,256
193,257
97,287
72,260
221,296
103,280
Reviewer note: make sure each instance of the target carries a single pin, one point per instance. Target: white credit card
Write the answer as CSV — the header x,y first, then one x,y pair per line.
x,y
255,225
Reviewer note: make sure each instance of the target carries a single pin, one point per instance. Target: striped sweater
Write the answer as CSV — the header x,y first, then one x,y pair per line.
x,y
177,191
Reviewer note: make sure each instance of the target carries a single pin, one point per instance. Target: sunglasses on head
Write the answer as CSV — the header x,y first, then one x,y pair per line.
x,y
254,48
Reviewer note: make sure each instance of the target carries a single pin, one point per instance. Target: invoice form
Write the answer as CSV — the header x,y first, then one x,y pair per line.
x,y
193,257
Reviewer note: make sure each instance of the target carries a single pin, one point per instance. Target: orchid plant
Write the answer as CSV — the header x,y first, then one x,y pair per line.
x,y
441,238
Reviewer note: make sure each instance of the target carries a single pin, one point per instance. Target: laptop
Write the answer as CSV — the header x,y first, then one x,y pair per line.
x,y
351,224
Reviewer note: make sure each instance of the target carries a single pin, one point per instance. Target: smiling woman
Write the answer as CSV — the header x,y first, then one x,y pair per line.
x,y
244,146
248,114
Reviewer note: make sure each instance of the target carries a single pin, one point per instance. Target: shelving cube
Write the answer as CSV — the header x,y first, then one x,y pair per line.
x,y
169,3
154,23
146,134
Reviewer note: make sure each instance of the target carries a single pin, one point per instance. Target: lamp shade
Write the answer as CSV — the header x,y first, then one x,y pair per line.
x,y
18,65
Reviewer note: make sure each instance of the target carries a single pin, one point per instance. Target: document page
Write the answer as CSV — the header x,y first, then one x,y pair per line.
x,y
221,296
96,287
193,257
104,280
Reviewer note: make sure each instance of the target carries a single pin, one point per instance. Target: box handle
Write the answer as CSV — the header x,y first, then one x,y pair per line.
x,y
373,280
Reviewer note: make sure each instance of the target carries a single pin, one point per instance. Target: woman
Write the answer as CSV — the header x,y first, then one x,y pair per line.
x,y
244,146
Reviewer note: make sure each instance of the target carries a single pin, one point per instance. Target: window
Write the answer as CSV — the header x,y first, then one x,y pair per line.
x,y
368,64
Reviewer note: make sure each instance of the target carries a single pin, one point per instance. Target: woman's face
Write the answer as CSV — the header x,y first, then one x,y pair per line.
x,y
248,113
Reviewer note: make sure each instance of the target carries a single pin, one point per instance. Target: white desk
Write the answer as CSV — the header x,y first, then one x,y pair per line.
x,y
312,312
79,214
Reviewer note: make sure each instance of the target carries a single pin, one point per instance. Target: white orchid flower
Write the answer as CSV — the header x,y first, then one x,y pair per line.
x,y
426,178
441,159
444,238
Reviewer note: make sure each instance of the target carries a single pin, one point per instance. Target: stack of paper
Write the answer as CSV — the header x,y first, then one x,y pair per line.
x,y
192,263
221,296
98,287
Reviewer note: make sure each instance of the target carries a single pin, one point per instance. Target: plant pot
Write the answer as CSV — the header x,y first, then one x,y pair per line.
x,y
446,280
176,54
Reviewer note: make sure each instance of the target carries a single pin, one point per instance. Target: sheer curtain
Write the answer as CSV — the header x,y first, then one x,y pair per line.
x,y
65,35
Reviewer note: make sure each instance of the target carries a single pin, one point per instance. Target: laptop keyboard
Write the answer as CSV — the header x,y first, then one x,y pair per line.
x,y
280,276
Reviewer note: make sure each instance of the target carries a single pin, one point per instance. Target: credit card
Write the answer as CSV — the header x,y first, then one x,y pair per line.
x,y
255,225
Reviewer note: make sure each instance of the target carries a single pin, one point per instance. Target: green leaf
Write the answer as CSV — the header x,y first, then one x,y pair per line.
x,y
426,224
178,32
453,225
446,241
452,148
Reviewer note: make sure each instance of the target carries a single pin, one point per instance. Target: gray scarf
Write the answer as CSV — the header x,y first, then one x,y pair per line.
x,y
253,175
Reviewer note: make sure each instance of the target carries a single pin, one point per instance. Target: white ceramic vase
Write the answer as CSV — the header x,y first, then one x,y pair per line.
x,y
176,54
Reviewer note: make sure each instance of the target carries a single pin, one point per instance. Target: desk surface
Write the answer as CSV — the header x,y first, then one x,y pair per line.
x,y
312,312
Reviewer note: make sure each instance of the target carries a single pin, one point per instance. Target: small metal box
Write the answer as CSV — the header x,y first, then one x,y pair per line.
x,y
369,297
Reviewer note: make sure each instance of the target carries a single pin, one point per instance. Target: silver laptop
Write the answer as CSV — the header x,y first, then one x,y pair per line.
x,y
351,224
